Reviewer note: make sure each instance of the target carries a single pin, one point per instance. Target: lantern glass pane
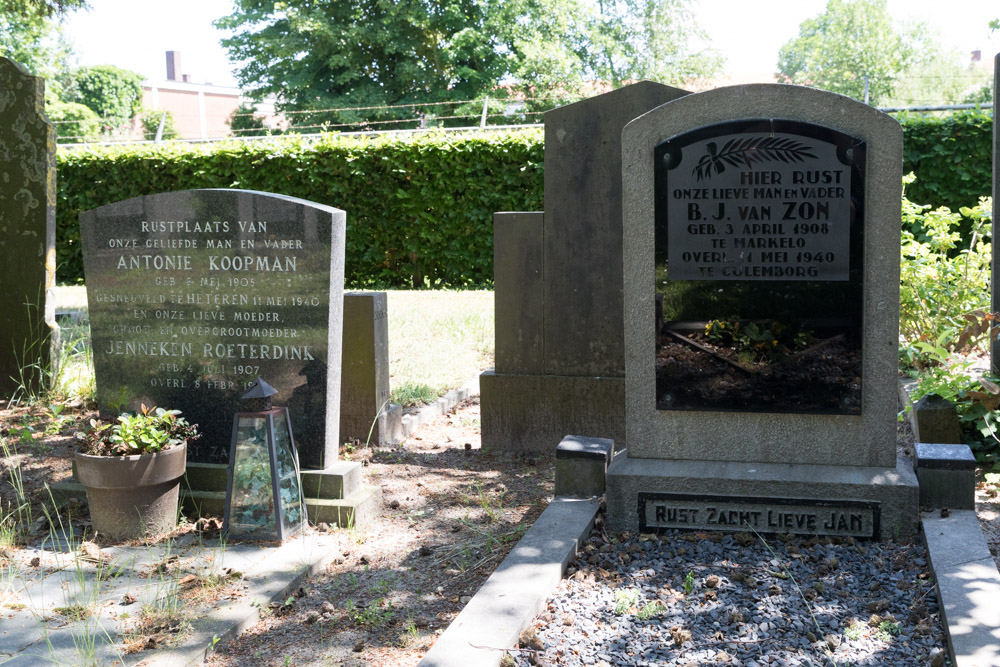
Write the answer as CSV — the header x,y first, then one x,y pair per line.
x,y
288,480
252,504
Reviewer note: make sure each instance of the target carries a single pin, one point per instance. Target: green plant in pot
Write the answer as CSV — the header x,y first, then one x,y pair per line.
x,y
132,470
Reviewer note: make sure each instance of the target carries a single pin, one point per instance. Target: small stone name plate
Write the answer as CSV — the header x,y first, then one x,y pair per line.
x,y
757,205
667,511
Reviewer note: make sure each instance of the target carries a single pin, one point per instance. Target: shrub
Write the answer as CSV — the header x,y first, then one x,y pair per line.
x,y
943,287
951,155
150,121
419,209
113,93
75,123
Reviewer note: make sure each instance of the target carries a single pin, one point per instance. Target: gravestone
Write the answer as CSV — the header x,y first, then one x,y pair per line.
x,y
560,363
995,269
27,230
773,211
195,294
365,411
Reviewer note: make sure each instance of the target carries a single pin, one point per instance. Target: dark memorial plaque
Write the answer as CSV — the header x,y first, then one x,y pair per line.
x,y
759,257
659,512
195,294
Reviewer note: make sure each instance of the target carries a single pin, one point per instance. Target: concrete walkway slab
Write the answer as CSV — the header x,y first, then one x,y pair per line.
x,y
968,585
34,631
517,590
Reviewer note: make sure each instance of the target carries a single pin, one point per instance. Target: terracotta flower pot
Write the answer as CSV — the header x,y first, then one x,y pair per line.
x,y
131,497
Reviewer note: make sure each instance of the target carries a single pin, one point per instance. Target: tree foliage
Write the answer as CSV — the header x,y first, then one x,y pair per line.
x,y
35,42
852,42
41,9
114,94
631,40
324,54
936,75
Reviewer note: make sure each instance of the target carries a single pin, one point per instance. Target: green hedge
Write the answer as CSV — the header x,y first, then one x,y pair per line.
x,y
419,209
951,157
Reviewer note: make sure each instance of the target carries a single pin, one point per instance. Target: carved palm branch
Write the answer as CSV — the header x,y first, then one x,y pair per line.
x,y
746,152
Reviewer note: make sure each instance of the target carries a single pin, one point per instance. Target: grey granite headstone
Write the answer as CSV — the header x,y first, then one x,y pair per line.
x,y
583,223
365,411
777,465
558,280
27,229
518,302
194,294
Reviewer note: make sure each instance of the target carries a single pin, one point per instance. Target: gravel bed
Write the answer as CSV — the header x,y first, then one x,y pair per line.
x,y
692,599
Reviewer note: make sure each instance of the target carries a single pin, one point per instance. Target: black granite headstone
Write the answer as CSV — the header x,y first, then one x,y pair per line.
x,y
195,294
759,258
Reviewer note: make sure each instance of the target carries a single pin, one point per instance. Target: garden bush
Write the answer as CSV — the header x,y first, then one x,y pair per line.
x,y
944,314
951,156
419,208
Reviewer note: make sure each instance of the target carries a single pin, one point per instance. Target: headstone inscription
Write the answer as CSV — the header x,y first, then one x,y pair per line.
x,y
27,230
759,258
195,294
761,209
559,334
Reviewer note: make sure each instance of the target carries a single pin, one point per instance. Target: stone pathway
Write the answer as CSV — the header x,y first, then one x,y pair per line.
x,y
68,602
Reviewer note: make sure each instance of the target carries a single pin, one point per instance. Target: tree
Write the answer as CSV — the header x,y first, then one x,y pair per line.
x,y
850,49
363,53
244,122
36,43
630,40
936,75
353,54
43,9
114,94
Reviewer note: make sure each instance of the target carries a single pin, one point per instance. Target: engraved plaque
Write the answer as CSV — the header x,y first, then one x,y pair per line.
x,y
759,234
659,512
757,206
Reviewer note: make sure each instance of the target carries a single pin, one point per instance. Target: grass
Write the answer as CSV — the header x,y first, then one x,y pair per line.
x,y
438,340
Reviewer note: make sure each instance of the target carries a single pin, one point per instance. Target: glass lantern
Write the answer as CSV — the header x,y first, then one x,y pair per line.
x,y
263,491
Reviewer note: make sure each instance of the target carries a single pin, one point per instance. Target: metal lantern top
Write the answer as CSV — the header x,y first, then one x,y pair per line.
x,y
257,397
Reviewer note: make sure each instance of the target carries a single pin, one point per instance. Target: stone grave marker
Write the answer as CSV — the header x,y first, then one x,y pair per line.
x,y
27,230
560,361
364,400
768,218
194,294
995,269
